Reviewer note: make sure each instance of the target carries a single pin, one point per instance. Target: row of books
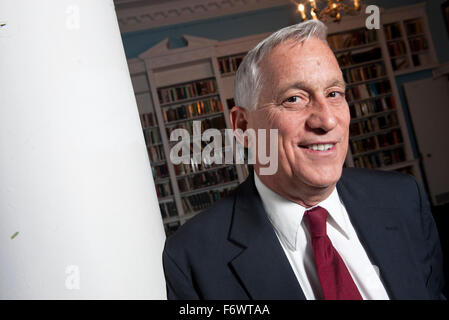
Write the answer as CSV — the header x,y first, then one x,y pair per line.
x,y
186,91
366,91
359,56
376,142
413,27
160,171
198,147
373,124
392,31
208,178
191,110
215,122
364,73
364,108
147,120
192,168
397,48
163,189
156,153
380,159
203,200
418,44
351,39
229,64
152,136
168,209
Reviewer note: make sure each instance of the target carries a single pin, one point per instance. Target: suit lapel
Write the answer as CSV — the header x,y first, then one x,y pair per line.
x,y
261,266
383,236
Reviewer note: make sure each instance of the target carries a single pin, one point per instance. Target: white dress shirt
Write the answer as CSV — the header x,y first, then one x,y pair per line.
x,y
286,218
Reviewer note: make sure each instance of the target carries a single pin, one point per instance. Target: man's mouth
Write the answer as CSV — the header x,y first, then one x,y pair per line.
x,y
319,146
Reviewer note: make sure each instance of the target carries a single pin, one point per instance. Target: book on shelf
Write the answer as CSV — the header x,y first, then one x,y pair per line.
x,y
346,59
191,110
152,136
208,178
186,91
217,122
380,159
392,31
163,189
375,142
413,27
351,39
193,168
366,91
373,124
365,108
147,120
364,73
230,64
156,153
203,200
397,48
418,44
160,171
168,209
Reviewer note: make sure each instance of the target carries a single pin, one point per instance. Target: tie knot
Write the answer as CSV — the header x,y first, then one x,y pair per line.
x,y
316,221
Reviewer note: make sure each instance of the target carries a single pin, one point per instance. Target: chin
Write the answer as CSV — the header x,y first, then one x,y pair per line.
x,y
323,178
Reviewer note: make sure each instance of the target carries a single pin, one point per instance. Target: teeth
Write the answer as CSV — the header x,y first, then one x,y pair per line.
x,y
320,147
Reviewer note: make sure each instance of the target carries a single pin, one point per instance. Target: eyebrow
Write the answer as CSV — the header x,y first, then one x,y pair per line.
x,y
305,86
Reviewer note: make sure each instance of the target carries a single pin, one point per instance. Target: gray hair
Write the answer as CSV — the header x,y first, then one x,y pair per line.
x,y
247,83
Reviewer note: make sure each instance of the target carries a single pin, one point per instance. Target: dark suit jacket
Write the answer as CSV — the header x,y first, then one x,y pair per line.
x,y
230,251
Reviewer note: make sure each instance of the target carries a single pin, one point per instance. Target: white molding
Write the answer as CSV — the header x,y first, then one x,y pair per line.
x,y
175,12
161,55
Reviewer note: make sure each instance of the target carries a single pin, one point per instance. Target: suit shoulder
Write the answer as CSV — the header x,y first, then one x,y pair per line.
x,y
380,185
372,176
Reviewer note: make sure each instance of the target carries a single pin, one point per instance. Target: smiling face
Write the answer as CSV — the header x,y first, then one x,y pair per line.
x,y
303,96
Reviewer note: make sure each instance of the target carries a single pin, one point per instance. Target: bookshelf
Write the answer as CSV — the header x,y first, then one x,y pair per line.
x,y
175,87
409,44
185,86
378,132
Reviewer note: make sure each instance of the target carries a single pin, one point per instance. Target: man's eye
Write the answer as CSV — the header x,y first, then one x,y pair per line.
x,y
335,94
293,99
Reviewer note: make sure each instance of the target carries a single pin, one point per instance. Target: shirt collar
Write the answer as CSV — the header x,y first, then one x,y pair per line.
x,y
286,216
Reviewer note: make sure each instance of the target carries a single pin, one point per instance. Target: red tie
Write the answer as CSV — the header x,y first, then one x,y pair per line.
x,y
336,282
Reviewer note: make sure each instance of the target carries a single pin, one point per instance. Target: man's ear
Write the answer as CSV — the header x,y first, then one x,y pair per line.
x,y
239,123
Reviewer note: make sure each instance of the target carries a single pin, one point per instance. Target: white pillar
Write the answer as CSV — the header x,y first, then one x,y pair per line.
x,y
79,217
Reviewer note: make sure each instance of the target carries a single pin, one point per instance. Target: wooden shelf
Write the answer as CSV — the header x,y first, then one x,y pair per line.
x,y
372,134
204,116
372,115
211,187
392,147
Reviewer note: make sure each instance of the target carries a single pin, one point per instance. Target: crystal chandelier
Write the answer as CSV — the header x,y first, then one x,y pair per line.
x,y
332,10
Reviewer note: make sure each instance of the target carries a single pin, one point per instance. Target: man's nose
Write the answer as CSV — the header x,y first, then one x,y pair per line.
x,y
321,116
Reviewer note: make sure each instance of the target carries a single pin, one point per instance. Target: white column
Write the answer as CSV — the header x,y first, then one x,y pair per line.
x,y
79,216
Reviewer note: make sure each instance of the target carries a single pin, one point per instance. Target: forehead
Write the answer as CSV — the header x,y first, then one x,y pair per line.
x,y
312,56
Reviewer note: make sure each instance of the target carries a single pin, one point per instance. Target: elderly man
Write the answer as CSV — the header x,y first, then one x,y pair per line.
x,y
311,230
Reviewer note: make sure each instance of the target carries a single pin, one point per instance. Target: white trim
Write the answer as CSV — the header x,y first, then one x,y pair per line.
x,y
175,12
